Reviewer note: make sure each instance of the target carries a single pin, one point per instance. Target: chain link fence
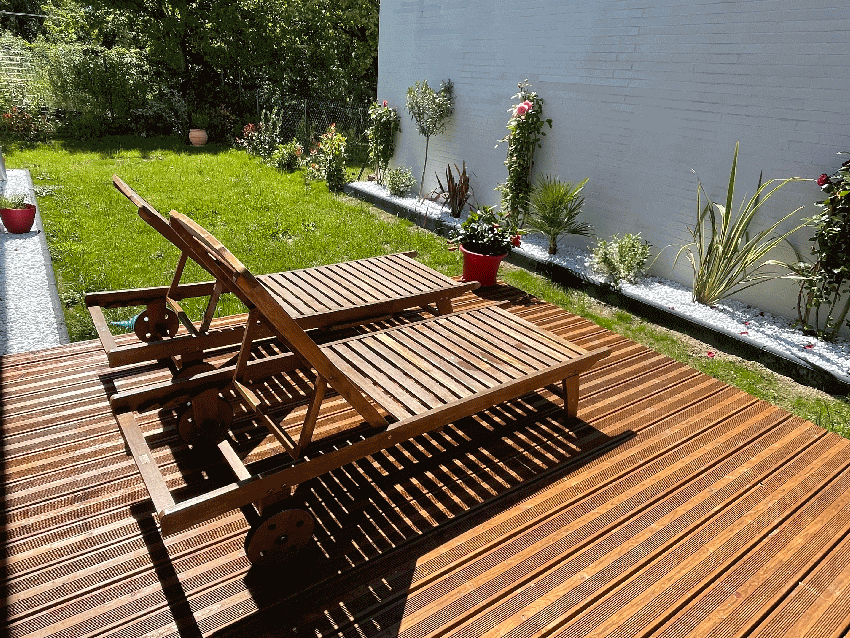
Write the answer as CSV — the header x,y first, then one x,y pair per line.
x,y
306,119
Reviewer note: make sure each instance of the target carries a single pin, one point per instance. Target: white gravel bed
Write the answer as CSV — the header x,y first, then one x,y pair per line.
x,y
746,322
30,318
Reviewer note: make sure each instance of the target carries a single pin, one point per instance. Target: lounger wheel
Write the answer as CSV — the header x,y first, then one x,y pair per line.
x,y
148,330
278,536
206,420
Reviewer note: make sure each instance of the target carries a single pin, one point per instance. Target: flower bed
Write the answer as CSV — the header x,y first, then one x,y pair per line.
x,y
770,338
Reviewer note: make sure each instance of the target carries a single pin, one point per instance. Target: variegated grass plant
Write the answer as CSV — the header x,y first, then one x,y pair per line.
x,y
724,257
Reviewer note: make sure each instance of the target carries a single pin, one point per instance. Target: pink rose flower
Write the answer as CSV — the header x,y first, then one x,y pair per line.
x,y
385,103
521,110
528,105
823,180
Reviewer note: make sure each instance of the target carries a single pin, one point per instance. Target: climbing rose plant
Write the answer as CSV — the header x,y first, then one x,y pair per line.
x,y
824,283
525,132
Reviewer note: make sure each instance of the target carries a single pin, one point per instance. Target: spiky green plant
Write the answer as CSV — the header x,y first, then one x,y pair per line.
x,y
723,256
554,208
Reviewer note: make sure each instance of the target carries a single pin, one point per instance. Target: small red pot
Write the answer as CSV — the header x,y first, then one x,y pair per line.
x,y
18,220
481,268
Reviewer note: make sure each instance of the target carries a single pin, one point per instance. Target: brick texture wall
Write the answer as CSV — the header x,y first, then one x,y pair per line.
x,y
640,93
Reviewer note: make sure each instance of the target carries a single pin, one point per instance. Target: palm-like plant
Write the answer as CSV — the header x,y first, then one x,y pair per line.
x,y
723,256
554,208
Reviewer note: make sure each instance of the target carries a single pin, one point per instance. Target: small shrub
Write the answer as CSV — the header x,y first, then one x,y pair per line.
x,y
555,205
263,138
25,125
384,123
327,160
164,113
86,126
430,110
287,157
399,180
622,259
223,127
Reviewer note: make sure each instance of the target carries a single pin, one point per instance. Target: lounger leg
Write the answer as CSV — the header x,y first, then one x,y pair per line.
x,y
571,396
444,306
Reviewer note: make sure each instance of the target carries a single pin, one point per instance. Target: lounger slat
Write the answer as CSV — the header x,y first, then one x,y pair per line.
x,y
423,272
292,303
401,276
423,384
374,390
470,349
392,379
292,288
525,347
340,291
325,298
342,277
433,352
390,284
452,388
518,323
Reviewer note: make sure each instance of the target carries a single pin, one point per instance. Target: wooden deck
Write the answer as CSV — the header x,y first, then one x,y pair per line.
x,y
677,506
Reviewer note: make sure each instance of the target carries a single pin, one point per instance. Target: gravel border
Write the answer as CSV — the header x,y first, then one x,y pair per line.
x,y
31,316
732,325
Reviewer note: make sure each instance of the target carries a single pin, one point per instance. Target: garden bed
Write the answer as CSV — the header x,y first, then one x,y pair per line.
x,y
731,325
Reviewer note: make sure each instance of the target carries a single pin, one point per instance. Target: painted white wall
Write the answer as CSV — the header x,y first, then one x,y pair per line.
x,y
639,94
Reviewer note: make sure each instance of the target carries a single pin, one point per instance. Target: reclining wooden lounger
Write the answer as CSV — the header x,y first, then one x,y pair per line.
x,y
403,381
338,294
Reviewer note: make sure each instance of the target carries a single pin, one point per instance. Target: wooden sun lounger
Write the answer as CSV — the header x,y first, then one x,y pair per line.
x,y
334,295
403,381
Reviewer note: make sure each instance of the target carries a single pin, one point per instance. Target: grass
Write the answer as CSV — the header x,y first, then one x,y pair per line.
x,y
273,221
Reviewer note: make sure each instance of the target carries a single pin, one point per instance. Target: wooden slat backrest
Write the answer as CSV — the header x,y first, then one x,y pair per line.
x,y
240,281
148,213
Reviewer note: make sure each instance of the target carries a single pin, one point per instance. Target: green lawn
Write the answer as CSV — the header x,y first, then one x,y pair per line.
x,y
273,221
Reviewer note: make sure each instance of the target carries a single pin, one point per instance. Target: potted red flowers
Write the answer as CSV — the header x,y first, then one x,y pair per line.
x,y
485,238
17,216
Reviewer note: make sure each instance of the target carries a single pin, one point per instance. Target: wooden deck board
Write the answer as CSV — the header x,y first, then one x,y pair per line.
x,y
676,506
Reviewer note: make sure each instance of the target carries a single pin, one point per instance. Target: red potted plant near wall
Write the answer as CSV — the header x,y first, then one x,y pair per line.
x,y
485,238
17,216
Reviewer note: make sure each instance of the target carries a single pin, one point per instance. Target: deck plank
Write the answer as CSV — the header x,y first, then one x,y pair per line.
x,y
675,506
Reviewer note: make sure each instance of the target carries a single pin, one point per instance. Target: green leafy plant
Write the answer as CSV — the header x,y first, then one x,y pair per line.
x,y
824,282
525,128
384,123
487,232
430,110
456,192
13,202
327,159
555,205
399,180
622,259
287,157
724,258
262,139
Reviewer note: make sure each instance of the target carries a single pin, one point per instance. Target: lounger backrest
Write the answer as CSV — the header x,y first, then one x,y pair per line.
x,y
154,219
240,281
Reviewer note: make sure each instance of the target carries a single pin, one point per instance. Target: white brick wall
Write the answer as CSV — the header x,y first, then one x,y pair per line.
x,y
639,93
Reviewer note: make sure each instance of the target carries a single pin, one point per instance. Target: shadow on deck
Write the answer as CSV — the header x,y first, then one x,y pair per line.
x,y
675,505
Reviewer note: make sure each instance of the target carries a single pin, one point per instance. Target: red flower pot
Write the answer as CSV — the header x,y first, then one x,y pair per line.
x,y
481,268
18,220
